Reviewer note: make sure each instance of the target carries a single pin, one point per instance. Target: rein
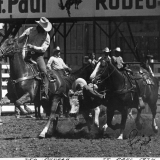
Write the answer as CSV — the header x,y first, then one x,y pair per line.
x,y
25,78
121,91
107,76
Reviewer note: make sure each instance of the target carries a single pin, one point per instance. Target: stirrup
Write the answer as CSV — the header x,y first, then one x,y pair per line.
x,y
32,61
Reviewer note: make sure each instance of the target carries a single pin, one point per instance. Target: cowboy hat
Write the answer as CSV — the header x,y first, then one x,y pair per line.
x,y
78,83
106,50
56,49
118,49
45,24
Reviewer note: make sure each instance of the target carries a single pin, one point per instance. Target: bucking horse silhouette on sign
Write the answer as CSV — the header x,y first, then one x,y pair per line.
x,y
68,5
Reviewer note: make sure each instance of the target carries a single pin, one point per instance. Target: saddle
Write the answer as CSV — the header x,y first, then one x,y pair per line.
x,y
142,74
35,70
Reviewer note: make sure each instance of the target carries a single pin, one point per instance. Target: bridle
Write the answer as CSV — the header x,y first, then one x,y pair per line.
x,y
120,91
104,70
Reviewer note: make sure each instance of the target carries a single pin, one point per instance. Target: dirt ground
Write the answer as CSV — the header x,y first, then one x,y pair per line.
x,y
19,138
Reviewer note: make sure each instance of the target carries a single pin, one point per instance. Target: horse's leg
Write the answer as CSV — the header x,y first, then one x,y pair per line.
x,y
88,119
24,99
153,110
22,111
130,114
110,115
49,128
124,114
137,120
61,108
27,109
37,110
96,116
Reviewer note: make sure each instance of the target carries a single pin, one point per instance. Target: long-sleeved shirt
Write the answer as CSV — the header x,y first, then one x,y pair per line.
x,y
119,61
56,63
40,40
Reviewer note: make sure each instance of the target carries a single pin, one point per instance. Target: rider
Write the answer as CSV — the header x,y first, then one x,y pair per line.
x,y
56,62
92,59
146,65
37,41
121,66
105,51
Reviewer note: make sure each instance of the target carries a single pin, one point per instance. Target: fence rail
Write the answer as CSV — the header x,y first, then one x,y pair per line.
x,y
4,76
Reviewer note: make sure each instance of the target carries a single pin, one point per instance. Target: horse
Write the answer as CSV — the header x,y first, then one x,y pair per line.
x,y
59,90
25,86
122,92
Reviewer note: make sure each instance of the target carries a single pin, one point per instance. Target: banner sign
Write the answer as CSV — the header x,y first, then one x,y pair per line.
x,y
77,8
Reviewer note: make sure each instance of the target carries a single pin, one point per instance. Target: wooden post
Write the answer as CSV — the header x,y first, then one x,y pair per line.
x,y
65,36
94,36
110,32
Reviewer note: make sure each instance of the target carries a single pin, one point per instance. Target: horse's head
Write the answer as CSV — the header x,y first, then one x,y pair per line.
x,y
7,48
101,70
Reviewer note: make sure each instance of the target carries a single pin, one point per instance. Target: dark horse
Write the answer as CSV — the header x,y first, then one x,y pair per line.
x,y
25,87
122,92
59,90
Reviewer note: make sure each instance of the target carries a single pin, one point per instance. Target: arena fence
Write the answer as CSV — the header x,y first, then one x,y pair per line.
x,y
4,75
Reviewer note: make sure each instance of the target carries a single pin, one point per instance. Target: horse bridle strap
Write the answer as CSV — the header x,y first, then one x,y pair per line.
x,y
25,78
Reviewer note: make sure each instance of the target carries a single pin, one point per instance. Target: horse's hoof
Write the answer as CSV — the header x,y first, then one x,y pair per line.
x,y
155,129
120,137
41,135
105,127
48,135
17,116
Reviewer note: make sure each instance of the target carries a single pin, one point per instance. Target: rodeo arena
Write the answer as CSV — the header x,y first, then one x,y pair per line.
x,y
80,79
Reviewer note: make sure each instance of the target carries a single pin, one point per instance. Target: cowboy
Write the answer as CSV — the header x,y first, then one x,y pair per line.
x,y
92,60
117,57
147,66
56,62
105,52
37,41
122,66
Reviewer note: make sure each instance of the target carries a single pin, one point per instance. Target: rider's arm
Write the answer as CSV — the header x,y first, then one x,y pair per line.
x,y
50,61
64,65
24,35
44,46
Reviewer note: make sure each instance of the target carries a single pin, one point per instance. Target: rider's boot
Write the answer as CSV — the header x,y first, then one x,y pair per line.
x,y
141,103
44,87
